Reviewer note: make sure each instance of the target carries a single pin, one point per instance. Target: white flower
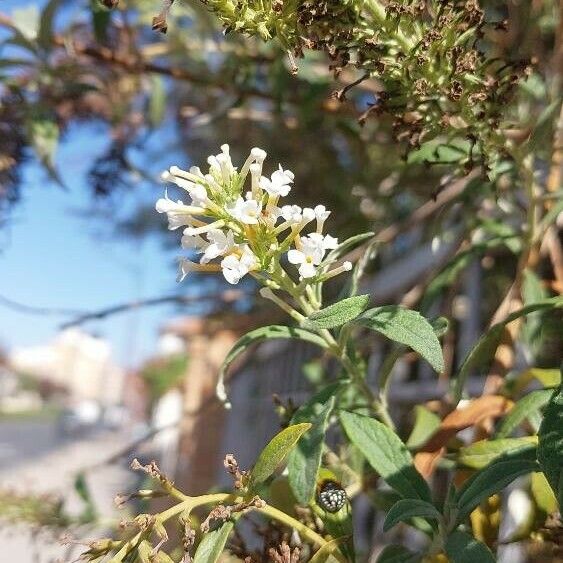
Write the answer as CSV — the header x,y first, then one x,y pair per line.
x,y
246,211
236,265
258,154
197,192
178,213
308,215
271,214
308,257
278,185
184,268
326,242
292,213
199,195
194,242
220,243
321,213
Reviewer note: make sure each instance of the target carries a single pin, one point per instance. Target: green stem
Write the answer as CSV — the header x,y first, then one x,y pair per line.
x,y
227,498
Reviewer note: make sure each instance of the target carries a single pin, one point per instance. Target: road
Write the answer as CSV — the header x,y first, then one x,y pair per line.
x,y
22,440
35,458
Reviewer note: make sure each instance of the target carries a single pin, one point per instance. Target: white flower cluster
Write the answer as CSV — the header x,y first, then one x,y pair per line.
x,y
241,232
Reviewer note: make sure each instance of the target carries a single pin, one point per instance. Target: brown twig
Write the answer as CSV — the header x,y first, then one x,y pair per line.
x,y
425,211
227,296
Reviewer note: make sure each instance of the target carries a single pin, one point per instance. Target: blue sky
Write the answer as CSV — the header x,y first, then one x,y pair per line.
x,y
51,255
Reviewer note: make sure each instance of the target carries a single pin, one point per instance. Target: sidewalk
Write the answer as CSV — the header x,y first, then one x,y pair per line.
x,y
55,472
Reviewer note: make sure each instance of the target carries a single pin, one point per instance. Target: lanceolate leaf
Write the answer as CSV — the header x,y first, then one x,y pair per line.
x,y
46,26
258,335
323,555
550,446
212,544
347,245
482,453
304,460
386,453
397,554
338,314
542,493
489,481
463,548
406,327
525,407
408,508
425,424
275,453
486,346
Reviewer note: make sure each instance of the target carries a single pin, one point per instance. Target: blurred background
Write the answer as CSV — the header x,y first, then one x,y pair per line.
x,y
102,356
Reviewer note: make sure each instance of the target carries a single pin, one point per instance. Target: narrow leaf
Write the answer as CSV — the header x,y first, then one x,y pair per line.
x,y
386,453
213,544
464,548
542,493
550,446
425,424
482,453
347,245
275,453
489,481
46,26
258,335
351,287
526,406
324,554
397,554
486,346
338,314
406,327
304,460
409,508
157,102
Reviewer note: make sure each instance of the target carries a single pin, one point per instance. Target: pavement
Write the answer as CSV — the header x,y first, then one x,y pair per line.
x,y
35,458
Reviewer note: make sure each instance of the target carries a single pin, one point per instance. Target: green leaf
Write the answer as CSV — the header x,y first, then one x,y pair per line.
x,y
482,453
550,445
275,453
157,102
409,508
45,137
213,544
425,424
351,287
440,325
304,460
486,346
89,512
386,453
406,327
323,555
397,554
527,405
346,245
491,480
101,17
544,125
437,151
542,493
464,548
338,314
46,30
258,335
